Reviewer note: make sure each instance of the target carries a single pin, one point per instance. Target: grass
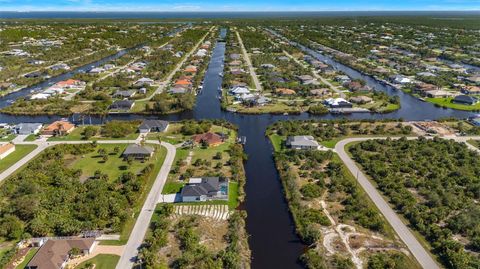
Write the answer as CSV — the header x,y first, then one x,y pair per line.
x,y
447,102
113,167
475,143
172,187
30,138
20,152
128,226
232,195
6,138
101,261
331,143
276,142
28,257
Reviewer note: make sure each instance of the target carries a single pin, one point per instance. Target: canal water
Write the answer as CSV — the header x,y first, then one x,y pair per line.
x,y
272,240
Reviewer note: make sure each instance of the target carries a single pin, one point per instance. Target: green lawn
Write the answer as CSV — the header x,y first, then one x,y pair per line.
x,y
101,261
331,143
6,138
158,160
276,141
447,102
113,167
30,138
20,152
28,257
475,143
172,187
232,195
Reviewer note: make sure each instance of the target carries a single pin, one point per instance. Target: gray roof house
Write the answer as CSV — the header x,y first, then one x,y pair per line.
x,y
124,94
138,152
153,126
27,128
122,105
206,188
302,142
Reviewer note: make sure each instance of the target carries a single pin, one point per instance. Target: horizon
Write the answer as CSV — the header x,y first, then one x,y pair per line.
x,y
230,6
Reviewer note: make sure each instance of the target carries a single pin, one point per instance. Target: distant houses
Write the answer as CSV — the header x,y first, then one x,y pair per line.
x,y
205,189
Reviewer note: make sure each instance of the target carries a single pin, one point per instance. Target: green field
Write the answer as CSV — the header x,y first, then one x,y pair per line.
x,y
20,152
101,261
232,195
113,167
76,135
276,142
6,138
447,102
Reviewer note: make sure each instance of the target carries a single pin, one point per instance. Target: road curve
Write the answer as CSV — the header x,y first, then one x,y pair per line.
x,y
421,254
141,226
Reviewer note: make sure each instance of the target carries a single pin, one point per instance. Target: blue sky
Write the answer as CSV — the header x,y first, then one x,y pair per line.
x,y
235,5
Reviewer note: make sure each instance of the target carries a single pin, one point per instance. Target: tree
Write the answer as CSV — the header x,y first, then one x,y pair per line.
x,y
89,132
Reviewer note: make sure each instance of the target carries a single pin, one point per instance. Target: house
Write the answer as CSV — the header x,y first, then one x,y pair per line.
x,y
35,74
360,99
177,90
55,254
234,56
96,70
320,92
337,103
40,96
153,126
122,105
60,66
400,79
235,63
70,83
268,66
438,94
302,142
185,83
191,69
465,100
27,128
6,149
239,90
204,189
474,79
58,128
342,79
124,94
144,82
138,152
470,90
211,139
284,91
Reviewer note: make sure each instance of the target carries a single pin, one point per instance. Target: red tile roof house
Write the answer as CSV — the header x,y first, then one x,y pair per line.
x,y
6,149
58,128
211,139
55,254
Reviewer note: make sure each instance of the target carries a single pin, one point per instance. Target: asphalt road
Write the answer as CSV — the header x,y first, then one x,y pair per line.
x,y
421,254
141,226
254,76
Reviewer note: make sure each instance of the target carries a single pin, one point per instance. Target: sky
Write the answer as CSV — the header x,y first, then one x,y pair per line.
x,y
235,5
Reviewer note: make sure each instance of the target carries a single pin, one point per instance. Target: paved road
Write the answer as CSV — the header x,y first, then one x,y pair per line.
x,y
254,76
141,226
421,254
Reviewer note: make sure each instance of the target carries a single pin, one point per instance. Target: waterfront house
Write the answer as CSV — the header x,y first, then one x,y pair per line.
x,y
35,74
470,90
58,128
342,79
211,139
153,126
55,254
337,103
190,69
205,189
465,100
239,90
302,142
122,105
177,90
96,70
360,99
138,152
438,94
400,79
6,149
27,128
70,83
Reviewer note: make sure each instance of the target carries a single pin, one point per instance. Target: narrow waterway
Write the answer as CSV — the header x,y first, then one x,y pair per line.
x,y
272,240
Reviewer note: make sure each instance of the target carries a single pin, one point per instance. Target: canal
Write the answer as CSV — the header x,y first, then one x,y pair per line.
x,y
273,240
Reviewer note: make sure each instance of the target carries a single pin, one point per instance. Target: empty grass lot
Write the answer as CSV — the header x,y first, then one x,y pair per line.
x,y
101,261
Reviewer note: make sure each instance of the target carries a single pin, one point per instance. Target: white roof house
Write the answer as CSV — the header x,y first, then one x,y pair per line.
x,y
401,79
302,142
239,90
